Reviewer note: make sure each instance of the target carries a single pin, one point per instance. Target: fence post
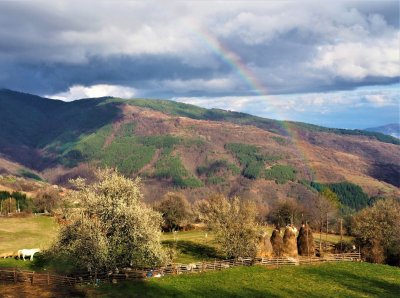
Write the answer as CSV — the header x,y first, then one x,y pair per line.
x,y
33,274
15,276
48,278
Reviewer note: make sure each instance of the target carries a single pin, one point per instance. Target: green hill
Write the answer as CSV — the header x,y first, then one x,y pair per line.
x,y
173,145
327,280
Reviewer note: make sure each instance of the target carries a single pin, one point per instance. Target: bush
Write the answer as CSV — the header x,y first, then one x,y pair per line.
x,y
176,211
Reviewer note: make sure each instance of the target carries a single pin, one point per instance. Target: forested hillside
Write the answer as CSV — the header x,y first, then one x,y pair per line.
x,y
173,145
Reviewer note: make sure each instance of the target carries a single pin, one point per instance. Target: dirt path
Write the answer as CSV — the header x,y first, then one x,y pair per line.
x,y
152,162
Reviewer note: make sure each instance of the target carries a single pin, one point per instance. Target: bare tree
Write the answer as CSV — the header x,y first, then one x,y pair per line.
x,y
377,231
176,211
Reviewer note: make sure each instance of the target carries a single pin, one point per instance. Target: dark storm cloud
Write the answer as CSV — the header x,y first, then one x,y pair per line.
x,y
140,72
290,47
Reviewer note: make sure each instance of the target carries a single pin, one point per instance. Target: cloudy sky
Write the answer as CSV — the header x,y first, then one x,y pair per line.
x,y
335,64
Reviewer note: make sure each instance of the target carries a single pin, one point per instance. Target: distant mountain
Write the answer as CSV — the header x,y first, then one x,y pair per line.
x,y
392,129
173,146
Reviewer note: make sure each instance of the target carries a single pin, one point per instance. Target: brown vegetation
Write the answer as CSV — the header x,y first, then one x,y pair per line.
x,y
305,241
289,242
277,242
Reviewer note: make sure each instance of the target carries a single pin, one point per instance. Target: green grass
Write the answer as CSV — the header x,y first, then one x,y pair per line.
x,y
30,232
326,280
194,246
27,232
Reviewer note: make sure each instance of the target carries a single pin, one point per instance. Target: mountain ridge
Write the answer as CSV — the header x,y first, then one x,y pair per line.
x,y
174,145
392,129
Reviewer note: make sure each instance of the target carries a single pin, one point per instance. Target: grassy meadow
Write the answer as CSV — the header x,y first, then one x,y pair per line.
x,y
325,280
26,232
40,231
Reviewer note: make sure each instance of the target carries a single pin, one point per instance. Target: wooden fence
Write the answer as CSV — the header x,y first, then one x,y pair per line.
x,y
13,275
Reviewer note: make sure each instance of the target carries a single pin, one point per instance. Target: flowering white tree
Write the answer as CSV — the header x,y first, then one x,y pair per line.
x,y
111,228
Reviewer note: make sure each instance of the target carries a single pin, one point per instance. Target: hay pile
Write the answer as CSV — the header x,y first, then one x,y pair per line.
x,y
277,242
305,241
289,242
264,246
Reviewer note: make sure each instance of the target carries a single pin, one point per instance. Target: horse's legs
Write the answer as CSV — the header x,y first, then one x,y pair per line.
x,y
23,257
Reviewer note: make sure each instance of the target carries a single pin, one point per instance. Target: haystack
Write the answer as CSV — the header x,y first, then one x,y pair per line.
x,y
264,246
305,241
289,242
277,242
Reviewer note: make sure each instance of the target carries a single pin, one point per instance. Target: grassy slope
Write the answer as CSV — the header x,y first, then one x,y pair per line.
x,y
280,127
80,128
29,232
327,280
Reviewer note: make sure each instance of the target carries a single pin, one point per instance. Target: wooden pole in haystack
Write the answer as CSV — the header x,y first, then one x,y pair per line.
x,y
308,248
341,235
326,235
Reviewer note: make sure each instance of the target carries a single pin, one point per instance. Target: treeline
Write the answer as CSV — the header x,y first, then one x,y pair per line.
x,y
349,194
46,200
14,202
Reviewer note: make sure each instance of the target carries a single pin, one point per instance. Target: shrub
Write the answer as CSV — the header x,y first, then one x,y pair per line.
x,y
176,211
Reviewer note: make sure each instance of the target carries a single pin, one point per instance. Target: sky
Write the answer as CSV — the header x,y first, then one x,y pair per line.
x,y
335,64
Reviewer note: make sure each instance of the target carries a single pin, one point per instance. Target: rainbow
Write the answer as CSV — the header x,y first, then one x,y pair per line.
x,y
248,76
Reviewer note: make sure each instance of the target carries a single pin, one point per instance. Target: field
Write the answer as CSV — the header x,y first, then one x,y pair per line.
x,y
26,232
327,280
195,246
39,231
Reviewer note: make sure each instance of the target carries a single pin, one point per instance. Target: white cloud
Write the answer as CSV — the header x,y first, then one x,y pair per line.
x,y
290,106
357,60
79,92
215,85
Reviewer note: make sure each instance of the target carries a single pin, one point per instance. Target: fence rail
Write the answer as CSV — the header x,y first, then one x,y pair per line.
x,y
14,275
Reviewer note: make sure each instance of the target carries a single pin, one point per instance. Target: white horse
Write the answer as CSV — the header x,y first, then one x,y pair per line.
x,y
27,252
